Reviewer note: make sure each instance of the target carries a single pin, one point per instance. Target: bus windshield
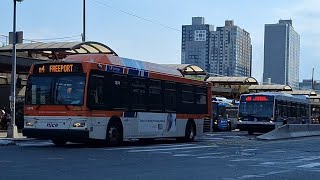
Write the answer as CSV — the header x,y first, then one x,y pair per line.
x,y
256,109
55,90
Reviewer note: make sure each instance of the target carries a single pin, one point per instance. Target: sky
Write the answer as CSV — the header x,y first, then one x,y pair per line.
x,y
150,30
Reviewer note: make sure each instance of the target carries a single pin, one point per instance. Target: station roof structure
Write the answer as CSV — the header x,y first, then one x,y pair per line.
x,y
270,87
59,50
23,64
233,80
302,92
187,69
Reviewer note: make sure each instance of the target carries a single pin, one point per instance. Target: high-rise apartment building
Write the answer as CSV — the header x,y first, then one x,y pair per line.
x,y
281,53
225,51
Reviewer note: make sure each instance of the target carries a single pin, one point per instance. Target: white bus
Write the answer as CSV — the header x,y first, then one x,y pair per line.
x,y
263,112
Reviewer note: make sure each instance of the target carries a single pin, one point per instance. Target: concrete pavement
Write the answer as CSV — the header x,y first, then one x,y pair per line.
x,y
223,155
4,141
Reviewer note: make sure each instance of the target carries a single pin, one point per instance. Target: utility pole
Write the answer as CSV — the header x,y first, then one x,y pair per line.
x,y
312,83
84,22
12,129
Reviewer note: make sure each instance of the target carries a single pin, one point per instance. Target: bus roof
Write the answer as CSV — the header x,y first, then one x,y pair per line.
x,y
116,61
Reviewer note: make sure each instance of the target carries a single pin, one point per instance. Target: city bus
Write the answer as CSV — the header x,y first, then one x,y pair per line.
x,y
225,114
105,98
263,112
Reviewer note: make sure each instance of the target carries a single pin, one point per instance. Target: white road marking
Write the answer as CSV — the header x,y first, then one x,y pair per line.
x,y
257,175
182,155
53,158
208,139
277,151
217,153
169,149
4,161
268,163
239,160
245,150
250,176
194,155
215,157
147,147
311,165
309,158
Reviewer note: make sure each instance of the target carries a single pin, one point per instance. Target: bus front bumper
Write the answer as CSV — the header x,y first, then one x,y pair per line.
x,y
69,134
256,127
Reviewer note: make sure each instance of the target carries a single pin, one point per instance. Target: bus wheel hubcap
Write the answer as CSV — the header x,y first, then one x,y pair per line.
x,y
191,133
113,133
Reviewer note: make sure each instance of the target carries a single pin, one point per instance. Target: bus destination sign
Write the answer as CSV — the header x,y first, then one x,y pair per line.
x,y
257,98
57,68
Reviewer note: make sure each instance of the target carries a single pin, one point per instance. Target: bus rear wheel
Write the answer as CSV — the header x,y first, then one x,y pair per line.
x,y
146,140
190,132
229,126
250,132
114,134
59,142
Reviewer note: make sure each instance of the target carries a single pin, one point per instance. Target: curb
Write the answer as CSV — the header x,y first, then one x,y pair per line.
x,y
7,143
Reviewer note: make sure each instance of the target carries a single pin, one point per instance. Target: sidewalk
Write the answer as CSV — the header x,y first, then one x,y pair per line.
x,y
4,141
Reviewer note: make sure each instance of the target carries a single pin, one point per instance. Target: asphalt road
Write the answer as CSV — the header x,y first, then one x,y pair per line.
x,y
222,155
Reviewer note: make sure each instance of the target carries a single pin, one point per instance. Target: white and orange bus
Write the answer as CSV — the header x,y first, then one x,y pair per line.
x,y
104,97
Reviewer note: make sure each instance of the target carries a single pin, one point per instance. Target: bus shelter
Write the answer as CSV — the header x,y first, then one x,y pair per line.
x,y
56,50
301,92
315,107
189,71
231,87
269,88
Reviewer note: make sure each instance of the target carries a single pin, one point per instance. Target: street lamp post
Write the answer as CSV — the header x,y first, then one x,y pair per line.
x,y
12,129
84,22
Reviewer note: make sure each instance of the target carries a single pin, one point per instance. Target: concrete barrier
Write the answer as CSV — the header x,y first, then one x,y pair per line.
x,y
281,132
299,130
292,131
314,129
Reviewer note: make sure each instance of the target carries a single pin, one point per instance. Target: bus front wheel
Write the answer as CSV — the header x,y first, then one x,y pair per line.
x,y
114,133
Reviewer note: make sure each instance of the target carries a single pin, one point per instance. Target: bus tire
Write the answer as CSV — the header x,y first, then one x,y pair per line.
x,y
59,141
285,122
250,132
229,126
114,135
190,132
146,140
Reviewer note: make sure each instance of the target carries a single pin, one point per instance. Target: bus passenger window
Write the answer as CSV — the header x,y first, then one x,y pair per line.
x,y
96,89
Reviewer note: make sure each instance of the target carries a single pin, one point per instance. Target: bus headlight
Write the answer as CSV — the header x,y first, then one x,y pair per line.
x,y
240,120
30,123
271,121
79,124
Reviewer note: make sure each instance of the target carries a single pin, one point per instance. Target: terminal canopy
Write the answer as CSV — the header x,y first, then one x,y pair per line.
x,y
269,87
187,69
58,50
302,92
233,80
